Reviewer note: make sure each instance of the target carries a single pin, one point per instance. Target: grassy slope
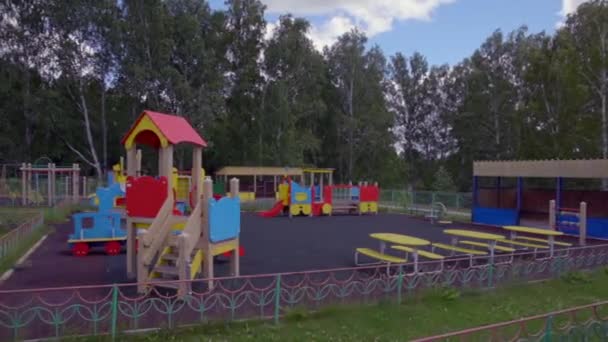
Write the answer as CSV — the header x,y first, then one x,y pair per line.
x,y
435,312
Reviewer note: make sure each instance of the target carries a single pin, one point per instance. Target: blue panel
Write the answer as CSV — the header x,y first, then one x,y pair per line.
x,y
302,191
318,193
597,227
495,216
107,195
111,179
355,192
181,207
224,219
104,225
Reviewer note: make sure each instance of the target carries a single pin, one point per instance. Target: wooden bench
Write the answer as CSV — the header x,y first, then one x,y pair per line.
x,y
487,245
523,244
378,256
422,253
533,239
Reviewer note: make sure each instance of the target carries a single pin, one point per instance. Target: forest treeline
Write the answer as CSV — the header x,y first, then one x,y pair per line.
x,y
75,74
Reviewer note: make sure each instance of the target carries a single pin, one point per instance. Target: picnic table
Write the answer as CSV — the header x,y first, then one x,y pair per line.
x,y
399,239
490,238
549,234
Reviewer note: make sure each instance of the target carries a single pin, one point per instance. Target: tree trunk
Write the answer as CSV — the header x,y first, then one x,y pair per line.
x,y
104,130
351,124
27,114
87,126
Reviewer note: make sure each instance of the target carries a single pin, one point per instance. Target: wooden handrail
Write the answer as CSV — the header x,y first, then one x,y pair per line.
x,y
159,221
157,232
192,231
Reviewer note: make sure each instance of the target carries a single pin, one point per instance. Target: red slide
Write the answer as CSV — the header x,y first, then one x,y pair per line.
x,y
274,211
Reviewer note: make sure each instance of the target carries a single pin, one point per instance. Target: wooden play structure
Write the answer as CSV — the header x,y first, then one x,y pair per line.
x,y
162,242
316,199
31,192
500,205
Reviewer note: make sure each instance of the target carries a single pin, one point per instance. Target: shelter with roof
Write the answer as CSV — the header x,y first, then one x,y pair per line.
x,y
500,196
264,180
161,132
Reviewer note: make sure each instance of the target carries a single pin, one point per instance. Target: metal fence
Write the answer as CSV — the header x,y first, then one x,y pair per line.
x,y
14,239
114,309
581,323
420,200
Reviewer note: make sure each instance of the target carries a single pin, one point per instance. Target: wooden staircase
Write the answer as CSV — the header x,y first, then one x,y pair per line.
x,y
167,265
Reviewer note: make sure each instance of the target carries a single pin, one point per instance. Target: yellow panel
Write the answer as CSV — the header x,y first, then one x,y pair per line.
x,y
284,193
159,262
97,240
142,225
363,207
197,262
145,124
224,247
301,196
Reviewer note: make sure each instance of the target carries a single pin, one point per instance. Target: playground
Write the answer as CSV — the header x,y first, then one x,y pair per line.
x,y
181,237
277,245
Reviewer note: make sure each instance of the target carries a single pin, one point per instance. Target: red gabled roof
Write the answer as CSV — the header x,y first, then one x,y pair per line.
x,y
175,128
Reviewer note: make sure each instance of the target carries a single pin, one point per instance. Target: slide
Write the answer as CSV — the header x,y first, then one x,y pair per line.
x,y
274,211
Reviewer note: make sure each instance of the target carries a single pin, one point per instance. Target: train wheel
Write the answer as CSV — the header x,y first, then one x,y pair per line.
x,y
80,249
112,247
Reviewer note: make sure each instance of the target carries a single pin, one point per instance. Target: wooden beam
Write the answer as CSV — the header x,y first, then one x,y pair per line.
x,y
591,168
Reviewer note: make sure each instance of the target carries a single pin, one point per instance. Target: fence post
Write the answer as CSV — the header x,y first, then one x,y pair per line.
x,y
399,284
114,310
458,200
277,299
582,224
548,329
552,215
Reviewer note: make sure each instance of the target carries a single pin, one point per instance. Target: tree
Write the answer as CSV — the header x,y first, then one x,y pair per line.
x,y
443,181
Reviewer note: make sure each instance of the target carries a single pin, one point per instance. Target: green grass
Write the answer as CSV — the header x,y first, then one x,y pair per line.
x,y
61,214
24,245
434,312
11,217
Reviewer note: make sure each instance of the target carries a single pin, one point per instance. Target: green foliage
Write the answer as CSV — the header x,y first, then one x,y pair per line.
x,y
443,181
22,247
278,100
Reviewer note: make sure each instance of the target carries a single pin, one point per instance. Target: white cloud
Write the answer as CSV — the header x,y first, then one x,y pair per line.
x,y
570,6
371,16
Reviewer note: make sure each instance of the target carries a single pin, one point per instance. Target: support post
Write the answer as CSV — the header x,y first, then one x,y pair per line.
x,y
208,258
582,224
75,178
131,243
49,184
558,193
274,179
475,190
552,215
519,197
84,187
235,262
132,162
197,165
331,179
255,184
138,163
498,190
24,186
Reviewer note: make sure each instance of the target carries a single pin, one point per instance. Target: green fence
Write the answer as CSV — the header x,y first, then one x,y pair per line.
x,y
392,199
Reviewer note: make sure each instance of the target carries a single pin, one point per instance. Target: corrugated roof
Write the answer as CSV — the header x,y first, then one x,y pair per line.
x,y
259,171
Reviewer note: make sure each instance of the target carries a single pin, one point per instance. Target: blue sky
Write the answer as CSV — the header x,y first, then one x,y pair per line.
x,y
445,31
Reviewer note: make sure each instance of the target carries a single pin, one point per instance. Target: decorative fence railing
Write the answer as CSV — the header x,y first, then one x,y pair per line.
x,y
14,239
112,309
582,323
412,200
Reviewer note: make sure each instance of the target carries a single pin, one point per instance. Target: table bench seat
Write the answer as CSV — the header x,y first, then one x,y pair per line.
x,y
426,254
380,256
487,245
524,244
459,249
533,239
